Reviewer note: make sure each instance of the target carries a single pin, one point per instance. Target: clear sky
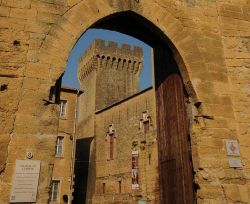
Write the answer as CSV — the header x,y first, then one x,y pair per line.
x,y
70,76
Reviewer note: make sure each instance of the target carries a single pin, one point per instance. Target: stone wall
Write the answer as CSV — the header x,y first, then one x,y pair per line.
x,y
210,40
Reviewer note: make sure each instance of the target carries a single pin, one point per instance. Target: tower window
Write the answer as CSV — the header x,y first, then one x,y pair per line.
x,y
110,138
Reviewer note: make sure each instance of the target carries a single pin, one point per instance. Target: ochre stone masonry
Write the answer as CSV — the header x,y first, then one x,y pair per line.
x,y
109,74
63,165
131,134
113,65
210,40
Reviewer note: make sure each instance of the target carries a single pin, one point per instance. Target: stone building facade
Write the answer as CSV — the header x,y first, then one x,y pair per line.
x,y
61,184
126,133
209,41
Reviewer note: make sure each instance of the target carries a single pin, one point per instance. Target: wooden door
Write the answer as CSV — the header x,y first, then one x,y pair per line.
x,y
175,168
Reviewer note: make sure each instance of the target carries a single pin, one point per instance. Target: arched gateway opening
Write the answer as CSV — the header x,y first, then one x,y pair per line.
x,y
175,163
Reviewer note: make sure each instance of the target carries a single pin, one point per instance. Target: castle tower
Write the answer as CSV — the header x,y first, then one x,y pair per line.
x,y
109,74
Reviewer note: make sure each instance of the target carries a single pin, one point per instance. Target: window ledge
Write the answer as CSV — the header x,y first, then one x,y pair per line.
x,y
54,202
59,156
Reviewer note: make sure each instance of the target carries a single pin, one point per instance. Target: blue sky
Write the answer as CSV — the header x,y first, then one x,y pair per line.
x,y
70,76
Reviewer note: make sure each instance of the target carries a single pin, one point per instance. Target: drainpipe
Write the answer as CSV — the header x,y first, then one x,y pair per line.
x,y
79,92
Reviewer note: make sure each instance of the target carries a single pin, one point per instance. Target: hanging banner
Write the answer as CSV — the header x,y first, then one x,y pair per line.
x,y
135,177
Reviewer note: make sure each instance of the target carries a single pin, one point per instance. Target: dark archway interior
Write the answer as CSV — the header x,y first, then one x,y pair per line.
x,y
134,25
166,70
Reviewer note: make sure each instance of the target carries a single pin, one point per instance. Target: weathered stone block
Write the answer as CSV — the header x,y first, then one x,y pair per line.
x,y
34,70
4,11
48,17
210,191
17,3
22,13
34,26
14,23
232,192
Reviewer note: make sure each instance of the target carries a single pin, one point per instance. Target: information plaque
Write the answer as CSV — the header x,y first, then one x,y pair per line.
x,y
25,181
235,163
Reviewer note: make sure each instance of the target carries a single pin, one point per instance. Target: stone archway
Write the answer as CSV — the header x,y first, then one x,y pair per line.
x,y
75,22
55,48
176,36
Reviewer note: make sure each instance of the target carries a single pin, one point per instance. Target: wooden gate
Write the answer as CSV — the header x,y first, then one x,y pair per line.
x,y
175,168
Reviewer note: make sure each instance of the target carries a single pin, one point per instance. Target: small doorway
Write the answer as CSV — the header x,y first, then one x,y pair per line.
x,y
81,173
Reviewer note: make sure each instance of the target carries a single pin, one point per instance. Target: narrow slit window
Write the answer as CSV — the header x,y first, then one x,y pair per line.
x,y
146,127
111,147
103,188
120,186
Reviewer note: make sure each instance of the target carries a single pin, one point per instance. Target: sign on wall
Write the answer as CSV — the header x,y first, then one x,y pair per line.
x,y
25,181
232,148
135,175
235,163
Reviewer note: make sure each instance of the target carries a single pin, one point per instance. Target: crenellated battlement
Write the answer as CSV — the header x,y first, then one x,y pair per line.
x,y
108,73
99,47
99,54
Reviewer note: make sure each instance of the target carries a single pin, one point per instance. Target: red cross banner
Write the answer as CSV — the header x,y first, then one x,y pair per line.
x,y
135,176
